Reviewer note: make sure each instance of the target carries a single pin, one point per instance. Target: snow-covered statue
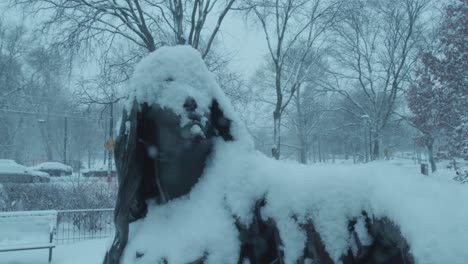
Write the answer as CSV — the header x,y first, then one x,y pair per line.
x,y
166,134
192,189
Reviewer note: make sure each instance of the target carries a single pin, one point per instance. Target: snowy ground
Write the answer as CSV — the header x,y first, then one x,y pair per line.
x,y
87,252
93,251
430,210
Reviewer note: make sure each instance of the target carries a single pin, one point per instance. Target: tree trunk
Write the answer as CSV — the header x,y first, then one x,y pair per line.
x,y
45,131
366,150
65,139
15,150
303,155
303,150
313,152
178,14
354,149
430,152
418,155
89,157
111,137
275,151
376,149
346,154
320,158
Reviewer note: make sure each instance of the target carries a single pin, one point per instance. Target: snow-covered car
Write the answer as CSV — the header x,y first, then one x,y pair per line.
x,y
98,172
39,176
12,172
54,169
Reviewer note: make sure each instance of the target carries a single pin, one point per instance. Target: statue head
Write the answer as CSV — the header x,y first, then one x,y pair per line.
x,y
175,115
178,112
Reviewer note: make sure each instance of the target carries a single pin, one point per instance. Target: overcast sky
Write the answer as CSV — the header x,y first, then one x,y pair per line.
x,y
247,41
243,40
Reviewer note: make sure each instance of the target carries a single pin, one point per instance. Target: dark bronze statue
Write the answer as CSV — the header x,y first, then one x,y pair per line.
x,y
161,156
157,158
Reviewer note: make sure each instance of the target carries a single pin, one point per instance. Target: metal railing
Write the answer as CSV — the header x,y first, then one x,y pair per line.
x,y
79,225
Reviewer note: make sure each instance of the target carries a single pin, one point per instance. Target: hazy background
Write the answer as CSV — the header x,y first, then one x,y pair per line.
x,y
346,70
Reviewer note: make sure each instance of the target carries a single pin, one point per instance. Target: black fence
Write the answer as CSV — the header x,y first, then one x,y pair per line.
x,y
79,225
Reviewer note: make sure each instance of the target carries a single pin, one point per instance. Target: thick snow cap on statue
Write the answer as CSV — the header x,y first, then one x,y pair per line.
x,y
169,75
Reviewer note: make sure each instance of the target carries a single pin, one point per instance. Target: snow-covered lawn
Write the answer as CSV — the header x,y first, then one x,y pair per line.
x,y
442,195
430,210
86,252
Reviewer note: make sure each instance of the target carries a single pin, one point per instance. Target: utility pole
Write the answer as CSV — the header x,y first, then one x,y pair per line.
x,y
65,135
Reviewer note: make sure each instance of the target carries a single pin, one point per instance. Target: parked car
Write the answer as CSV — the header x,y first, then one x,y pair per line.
x,y
98,172
12,172
54,169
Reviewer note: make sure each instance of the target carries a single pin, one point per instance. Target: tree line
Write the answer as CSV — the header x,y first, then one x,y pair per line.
x,y
357,79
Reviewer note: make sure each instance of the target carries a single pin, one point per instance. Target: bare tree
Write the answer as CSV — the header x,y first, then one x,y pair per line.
x,y
12,45
147,24
288,24
46,94
33,91
197,12
120,32
104,93
376,51
308,106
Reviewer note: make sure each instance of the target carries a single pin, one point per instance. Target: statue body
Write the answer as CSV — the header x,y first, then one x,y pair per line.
x,y
162,152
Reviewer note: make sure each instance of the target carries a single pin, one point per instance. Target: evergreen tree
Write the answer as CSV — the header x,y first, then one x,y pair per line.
x,y
439,97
